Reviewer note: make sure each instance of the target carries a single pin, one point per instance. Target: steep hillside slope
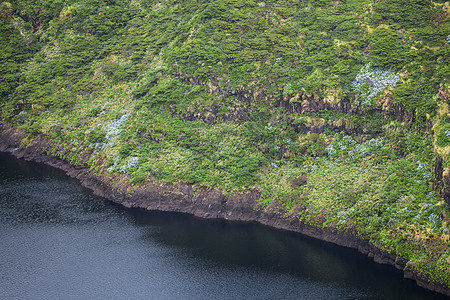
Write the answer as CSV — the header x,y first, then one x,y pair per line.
x,y
334,112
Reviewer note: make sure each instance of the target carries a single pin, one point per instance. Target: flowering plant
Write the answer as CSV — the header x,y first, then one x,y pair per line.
x,y
370,82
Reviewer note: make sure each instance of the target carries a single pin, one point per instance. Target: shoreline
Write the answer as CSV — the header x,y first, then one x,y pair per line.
x,y
200,202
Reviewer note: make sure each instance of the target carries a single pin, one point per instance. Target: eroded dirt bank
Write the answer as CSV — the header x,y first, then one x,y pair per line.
x,y
201,202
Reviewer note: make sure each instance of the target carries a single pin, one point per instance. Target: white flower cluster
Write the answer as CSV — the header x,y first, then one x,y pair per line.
x,y
344,215
329,165
433,218
399,213
407,199
313,168
370,82
351,155
330,150
268,128
402,211
287,87
131,163
105,107
427,205
261,4
345,142
444,257
417,218
447,133
448,38
383,237
275,164
348,140
287,141
359,149
378,142
424,172
434,221
97,146
362,149
114,128
116,160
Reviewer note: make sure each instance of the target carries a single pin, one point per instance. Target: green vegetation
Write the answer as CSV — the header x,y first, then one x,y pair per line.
x,y
243,96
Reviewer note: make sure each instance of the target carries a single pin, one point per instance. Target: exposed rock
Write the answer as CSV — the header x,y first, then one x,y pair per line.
x,y
438,171
201,202
446,189
210,119
299,181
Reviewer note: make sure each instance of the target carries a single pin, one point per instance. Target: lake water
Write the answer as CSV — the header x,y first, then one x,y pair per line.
x,y
58,241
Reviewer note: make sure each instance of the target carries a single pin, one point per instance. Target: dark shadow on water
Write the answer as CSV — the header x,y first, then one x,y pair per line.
x,y
127,246
235,244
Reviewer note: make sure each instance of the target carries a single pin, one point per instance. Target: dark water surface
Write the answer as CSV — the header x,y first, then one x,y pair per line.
x,y
58,241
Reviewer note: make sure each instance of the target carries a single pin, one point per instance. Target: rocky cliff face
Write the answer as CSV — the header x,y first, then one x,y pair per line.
x,y
201,202
294,106
441,181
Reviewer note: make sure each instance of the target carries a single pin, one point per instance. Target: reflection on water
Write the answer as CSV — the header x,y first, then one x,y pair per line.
x,y
58,241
